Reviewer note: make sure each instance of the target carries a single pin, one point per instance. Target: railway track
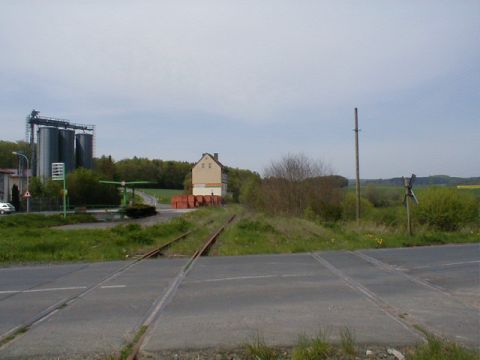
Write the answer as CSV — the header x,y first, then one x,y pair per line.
x,y
164,299
43,315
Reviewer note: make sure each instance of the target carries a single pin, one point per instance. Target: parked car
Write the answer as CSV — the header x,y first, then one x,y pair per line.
x,y
6,208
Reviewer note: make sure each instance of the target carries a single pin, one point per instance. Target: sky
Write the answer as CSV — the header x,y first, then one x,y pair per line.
x,y
253,80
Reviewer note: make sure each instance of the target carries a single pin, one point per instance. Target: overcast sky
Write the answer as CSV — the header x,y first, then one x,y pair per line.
x,y
253,80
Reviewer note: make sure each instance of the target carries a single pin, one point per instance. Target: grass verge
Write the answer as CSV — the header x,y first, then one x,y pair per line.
x,y
257,233
30,238
319,348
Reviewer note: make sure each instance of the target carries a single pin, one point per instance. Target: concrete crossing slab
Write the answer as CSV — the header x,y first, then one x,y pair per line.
x,y
102,322
26,291
433,309
225,302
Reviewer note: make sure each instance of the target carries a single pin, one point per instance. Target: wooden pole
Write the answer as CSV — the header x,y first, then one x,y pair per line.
x,y
407,205
357,167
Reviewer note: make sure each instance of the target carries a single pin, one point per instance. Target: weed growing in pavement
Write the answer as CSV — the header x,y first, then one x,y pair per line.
x,y
129,347
18,332
259,350
347,342
315,348
439,349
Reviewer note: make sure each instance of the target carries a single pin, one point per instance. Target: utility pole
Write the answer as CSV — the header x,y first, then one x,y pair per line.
x,y
408,183
357,167
407,206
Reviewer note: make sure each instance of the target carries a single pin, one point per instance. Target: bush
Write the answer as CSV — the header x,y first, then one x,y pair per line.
x,y
84,188
446,208
382,197
390,216
140,210
349,206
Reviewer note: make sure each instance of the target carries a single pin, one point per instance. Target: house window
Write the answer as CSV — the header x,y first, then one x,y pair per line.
x,y
203,165
209,165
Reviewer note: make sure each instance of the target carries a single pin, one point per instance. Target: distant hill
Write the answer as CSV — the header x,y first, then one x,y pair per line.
x,y
426,180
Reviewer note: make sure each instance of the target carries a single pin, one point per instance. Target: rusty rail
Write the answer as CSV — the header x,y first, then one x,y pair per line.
x,y
211,240
164,247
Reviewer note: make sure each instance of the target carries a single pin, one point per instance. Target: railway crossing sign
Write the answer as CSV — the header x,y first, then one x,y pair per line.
x,y
408,189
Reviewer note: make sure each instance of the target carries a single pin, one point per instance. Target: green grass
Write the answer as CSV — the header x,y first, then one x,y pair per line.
x,y
312,348
259,350
207,221
128,348
347,342
440,349
164,196
319,348
33,239
256,233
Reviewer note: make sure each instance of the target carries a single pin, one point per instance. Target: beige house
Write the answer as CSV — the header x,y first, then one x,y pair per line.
x,y
208,176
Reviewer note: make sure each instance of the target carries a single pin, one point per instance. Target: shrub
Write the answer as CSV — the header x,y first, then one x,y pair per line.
x,y
84,188
294,184
383,196
446,208
390,216
349,206
140,210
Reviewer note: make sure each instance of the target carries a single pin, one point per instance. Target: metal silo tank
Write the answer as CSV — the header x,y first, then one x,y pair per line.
x,y
84,150
47,150
66,147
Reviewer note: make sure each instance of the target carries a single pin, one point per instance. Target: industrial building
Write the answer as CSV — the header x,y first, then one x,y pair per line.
x,y
55,140
10,177
209,177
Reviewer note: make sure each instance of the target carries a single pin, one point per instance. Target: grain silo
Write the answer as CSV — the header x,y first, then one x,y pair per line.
x,y
84,150
66,148
48,150
53,140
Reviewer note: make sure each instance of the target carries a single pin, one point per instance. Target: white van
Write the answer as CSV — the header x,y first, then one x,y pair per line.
x,y
6,208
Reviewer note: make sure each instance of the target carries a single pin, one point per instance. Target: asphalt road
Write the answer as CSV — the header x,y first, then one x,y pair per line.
x,y
380,295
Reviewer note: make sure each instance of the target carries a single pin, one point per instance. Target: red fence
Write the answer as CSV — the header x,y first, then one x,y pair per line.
x,y
194,201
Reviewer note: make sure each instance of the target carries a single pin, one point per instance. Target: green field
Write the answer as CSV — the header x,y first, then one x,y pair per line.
x,y
164,196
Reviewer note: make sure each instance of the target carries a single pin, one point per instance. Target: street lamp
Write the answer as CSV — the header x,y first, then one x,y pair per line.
x,y
26,159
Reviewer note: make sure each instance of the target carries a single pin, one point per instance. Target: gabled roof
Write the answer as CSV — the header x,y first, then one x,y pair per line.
x,y
211,156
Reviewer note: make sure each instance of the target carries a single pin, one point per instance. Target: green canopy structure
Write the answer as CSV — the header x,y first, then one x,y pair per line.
x,y
125,185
